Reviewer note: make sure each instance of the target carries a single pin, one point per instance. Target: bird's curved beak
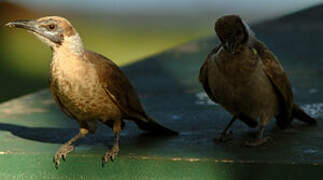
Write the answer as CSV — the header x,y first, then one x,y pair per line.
x,y
230,44
35,27
30,25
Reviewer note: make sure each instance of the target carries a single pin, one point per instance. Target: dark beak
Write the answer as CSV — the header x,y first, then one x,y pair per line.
x,y
230,44
30,25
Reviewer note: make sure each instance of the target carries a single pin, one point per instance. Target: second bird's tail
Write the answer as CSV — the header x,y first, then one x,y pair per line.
x,y
302,116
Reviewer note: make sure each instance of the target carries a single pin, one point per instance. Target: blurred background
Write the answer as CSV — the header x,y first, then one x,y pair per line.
x,y
126,31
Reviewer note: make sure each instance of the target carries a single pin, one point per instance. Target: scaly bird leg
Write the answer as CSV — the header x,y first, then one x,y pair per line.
x,y
113,152
68,147
225,136
260,140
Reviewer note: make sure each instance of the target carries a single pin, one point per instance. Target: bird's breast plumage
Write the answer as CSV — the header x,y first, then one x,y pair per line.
x,y
76,83
240,84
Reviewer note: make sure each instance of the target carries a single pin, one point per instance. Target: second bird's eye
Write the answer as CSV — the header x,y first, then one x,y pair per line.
x,y
51,26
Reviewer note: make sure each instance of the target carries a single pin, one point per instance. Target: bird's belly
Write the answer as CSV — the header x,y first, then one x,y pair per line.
x,y
252,95
85,100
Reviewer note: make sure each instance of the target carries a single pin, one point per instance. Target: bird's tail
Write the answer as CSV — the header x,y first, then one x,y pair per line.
x,y
301,115
147,123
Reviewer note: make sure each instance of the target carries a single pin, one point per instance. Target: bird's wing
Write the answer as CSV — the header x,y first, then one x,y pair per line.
x,y
120,90
116,84
203,77
277,76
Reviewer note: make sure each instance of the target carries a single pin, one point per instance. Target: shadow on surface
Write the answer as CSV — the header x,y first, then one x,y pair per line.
x,y
47,135
62,135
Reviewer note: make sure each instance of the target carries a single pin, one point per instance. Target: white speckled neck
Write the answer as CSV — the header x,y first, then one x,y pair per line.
x,y
73,44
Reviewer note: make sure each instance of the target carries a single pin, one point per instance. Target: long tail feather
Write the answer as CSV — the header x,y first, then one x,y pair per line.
x,y
149,124
302,116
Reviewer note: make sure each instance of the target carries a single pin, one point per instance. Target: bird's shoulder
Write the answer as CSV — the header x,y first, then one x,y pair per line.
x,y
276,73
115,83
203,76
211,57
271,65
107,70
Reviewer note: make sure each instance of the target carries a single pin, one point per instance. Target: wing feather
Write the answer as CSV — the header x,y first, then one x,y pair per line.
x,y
278,77
117,85
203,77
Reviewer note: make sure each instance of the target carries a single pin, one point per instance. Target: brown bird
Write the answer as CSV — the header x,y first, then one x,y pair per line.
x,y
87,86
246,78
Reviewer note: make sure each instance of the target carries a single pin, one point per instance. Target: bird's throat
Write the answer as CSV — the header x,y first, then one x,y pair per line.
x,y
72,45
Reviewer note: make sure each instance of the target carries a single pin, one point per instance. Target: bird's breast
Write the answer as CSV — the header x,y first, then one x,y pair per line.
x,y
241,86
78,87
238,67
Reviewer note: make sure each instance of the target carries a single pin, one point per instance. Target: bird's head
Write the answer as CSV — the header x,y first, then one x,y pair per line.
x,y
54,31
232,32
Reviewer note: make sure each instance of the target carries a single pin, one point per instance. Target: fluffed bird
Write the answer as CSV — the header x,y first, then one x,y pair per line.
x,y
87,86
245,78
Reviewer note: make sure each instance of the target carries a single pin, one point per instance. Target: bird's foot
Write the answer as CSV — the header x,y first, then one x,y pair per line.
x,y
224,137
110,155
258,142
62,154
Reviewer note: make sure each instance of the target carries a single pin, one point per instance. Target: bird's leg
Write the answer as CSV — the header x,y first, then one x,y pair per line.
x,y
260,140
225,135
113,152
68,147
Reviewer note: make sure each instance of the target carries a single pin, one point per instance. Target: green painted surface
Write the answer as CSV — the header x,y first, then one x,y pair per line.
x,y
87,167
32,127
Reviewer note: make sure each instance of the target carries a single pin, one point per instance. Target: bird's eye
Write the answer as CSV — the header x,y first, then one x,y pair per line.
x,y
51,26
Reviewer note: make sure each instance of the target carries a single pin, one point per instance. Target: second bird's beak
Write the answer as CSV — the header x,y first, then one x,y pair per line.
x,y
230,44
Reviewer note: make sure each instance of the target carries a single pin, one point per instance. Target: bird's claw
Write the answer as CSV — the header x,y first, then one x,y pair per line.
x,y
258,142
62,154
110,155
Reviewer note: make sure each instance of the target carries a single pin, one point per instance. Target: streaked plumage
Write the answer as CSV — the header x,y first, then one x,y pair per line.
x,y
88,86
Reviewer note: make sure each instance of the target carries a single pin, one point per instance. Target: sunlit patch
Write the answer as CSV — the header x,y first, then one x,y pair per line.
x,y
313,90
315,110
187,48
19,107
310,151
203,99
175,117
48,101
2,152
186,159
22,105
